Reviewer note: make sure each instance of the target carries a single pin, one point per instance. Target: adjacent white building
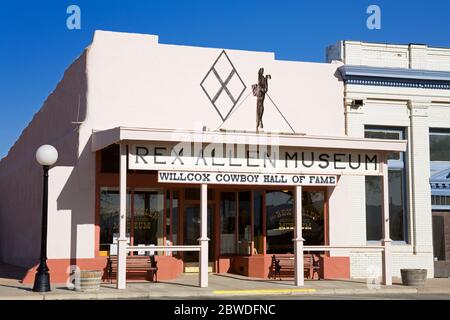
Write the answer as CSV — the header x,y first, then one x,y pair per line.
x,y
402,91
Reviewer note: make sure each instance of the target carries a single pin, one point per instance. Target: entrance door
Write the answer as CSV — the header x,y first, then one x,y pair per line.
x,y
441,240
192,231
235,223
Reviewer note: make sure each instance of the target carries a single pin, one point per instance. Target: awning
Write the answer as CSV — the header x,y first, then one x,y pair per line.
x,y
103,138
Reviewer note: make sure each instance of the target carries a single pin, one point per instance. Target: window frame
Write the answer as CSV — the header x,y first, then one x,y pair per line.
x,y
400,164
437,166
438,132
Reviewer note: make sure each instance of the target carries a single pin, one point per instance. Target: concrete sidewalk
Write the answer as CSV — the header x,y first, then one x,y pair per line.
x,y
220,286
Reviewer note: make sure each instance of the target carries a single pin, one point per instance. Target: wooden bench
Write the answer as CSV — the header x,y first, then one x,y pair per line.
x,y
284,266
135,264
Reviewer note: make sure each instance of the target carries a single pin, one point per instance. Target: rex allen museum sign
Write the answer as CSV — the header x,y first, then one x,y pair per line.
x,y
249,164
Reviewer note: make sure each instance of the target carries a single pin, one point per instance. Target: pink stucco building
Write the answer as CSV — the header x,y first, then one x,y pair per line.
x,y
130,111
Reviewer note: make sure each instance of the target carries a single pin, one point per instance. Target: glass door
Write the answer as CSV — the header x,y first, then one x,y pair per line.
x,y
192,230
313,217
244,223
228,215
235,223
148,217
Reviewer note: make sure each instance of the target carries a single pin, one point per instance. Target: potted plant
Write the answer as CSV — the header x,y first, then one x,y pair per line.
x,y
414,277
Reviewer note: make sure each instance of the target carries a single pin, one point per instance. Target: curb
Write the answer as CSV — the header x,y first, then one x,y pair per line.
x,y
230,293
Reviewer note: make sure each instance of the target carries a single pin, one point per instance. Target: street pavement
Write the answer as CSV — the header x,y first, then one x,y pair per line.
x,y
409,296
229,287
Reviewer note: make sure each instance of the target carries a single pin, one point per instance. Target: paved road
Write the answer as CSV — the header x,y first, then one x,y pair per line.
x,y
332,297
359,297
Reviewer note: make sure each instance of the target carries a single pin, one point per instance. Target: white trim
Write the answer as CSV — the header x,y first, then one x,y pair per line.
x,y
346,248
104,138
122,241
164,248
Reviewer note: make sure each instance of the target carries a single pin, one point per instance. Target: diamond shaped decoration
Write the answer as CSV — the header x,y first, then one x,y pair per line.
x,y
231,87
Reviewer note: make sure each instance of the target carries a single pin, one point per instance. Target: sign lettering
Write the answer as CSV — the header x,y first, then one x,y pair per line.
x,y
196,177
251,159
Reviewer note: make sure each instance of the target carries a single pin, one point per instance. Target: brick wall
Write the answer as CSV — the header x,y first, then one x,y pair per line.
x,y
411,56
417,252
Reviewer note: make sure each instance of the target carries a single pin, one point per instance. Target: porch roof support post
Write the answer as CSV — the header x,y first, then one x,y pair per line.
x,y
203,240
387,252
298,238
122,241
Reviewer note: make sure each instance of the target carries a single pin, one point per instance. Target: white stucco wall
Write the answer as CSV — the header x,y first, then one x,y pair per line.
x,y
134,81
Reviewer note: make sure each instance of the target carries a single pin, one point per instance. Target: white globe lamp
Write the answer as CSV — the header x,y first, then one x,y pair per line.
x,y
46,155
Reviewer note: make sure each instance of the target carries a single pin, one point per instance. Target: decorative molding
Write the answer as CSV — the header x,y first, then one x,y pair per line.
x,y
395,77
440,186
419,108
419,104
399,84
440,183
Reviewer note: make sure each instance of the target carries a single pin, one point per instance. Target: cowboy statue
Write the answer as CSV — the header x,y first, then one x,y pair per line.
x,y
259,91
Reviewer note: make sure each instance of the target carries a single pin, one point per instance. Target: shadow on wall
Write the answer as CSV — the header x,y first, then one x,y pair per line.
x,y
56,123
78,196
338,75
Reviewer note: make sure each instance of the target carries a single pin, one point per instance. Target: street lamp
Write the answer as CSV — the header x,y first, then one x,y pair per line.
x,y
46,155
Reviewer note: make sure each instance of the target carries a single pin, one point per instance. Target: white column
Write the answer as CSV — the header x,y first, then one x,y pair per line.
x,y
387,252
355,207
122,241
203,240
298,238
420,205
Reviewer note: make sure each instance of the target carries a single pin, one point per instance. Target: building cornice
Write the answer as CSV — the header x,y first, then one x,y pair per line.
x,y
395,77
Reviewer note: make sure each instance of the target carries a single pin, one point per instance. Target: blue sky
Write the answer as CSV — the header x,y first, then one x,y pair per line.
x,y
36,46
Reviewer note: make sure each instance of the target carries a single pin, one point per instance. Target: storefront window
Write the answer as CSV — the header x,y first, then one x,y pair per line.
x,y
109,217
175,217
374,200
168,216
397,191
279,222
440,169
244,227
148,217
383,133
172,218
258,238
228,223
440,145
396,205
313,222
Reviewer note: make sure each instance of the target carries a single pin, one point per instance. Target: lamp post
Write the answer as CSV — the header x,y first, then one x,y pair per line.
x,y
46,155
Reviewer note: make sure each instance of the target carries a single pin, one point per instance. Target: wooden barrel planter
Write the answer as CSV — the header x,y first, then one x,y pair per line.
x,y
90,280
414,277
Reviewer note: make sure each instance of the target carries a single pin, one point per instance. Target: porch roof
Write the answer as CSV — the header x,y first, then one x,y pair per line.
x,y
103,138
